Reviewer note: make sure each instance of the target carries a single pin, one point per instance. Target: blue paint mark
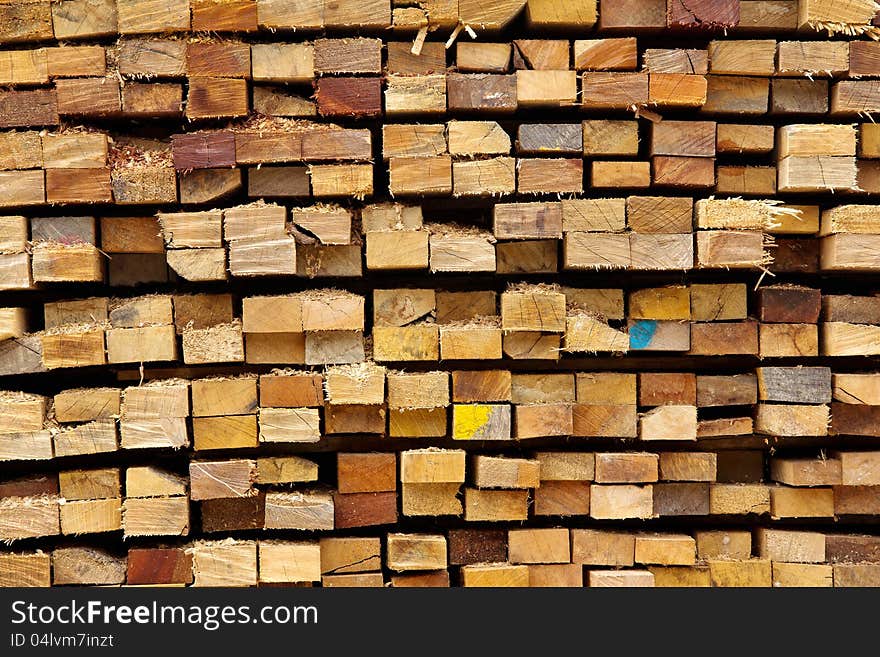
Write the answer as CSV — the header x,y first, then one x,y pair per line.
x,y
641,333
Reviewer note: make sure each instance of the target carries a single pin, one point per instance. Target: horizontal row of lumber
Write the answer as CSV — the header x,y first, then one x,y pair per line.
x,y
43,20
640,233
169,58
531,61
471,159
367,489
175,58
437,176
543,557
683,158
290,407
526,322
203,99
128,254
206,98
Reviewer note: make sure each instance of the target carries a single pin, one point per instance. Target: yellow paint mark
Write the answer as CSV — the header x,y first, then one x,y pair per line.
x,y
468,419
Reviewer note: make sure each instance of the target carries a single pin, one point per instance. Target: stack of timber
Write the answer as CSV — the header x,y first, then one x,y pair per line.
x,y
594,302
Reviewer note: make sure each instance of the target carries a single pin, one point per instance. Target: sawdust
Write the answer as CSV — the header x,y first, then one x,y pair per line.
x,y
459,230
327,295
209,544
359,372
14,397
321,208
478,321
52,245
133,153
30,502
74,129
230,377
72,329
534,288
114,303
260,123
163,383
259,203
291,371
